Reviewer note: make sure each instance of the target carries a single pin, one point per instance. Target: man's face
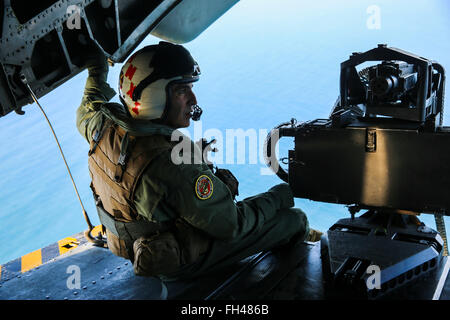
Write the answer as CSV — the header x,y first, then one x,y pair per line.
x,y
181,101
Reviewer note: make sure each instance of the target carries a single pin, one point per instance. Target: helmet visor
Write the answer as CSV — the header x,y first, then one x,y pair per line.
x,y
169,61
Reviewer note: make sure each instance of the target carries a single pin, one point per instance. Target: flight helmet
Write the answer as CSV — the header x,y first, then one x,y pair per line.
x,y
147,74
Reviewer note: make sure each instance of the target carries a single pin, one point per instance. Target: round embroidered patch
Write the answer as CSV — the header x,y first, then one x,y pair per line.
x,y
203,187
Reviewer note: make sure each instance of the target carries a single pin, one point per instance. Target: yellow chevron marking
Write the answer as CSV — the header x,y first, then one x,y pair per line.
x,y
67,244
31,260
96,230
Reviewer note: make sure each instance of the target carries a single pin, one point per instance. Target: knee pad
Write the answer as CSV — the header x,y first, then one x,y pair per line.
x,y
296,220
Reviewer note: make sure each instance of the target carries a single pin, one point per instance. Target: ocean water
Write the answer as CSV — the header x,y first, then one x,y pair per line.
x,y
263,63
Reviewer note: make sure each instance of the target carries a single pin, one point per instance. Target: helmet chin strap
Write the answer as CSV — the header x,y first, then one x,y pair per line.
x,y
196,113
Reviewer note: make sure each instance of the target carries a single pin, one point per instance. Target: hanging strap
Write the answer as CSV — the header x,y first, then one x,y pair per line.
x,y
123,158
98,134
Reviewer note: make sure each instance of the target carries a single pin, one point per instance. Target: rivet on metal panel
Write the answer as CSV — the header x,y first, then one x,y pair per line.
x,y
105,3
94,282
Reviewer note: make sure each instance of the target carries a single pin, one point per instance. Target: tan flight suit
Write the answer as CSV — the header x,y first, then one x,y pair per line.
x,y
164,192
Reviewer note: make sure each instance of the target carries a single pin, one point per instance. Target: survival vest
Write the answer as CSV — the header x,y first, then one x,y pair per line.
x,y
116,162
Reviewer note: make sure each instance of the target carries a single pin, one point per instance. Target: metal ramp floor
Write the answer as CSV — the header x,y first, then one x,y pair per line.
x,y
288,274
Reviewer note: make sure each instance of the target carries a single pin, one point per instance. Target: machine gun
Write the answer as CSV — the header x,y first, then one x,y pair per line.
x,y
383,150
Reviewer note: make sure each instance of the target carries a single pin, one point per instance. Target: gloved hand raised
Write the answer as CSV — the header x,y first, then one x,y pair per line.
x,y
94,59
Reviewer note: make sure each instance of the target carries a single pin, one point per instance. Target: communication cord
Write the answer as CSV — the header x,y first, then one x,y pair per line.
x,y
87,233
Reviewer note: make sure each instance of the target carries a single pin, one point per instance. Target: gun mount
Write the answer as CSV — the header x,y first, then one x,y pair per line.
x,y
383,149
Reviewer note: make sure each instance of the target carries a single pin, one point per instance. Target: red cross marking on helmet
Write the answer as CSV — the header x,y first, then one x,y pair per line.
x,y
130,92
136,107
130,72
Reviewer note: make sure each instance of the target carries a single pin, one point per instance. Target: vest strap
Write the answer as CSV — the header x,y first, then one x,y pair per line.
x,y
98,135
123,158
130,231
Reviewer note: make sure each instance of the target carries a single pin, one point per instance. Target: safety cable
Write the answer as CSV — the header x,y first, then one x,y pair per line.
x,y
87,233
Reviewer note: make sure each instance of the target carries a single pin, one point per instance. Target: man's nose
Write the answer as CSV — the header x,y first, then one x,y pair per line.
x,y
192,97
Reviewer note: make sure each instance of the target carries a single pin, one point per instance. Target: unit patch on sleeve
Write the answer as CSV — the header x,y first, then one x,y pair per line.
x,y
203,187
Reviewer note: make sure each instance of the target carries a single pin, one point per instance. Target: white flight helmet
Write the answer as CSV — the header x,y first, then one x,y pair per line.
x,y
145,77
